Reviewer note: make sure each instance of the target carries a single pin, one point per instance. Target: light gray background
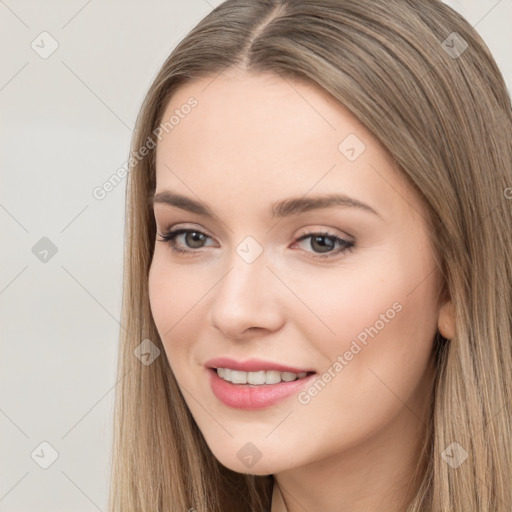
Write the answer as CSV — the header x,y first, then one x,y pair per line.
x,y
65,127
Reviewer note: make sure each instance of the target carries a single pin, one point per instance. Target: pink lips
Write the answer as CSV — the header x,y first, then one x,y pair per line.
x,y
247,396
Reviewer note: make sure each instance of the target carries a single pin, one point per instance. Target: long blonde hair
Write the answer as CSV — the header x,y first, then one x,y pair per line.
x,y
443,112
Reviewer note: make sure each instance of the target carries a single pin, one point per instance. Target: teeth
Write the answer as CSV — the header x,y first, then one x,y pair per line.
x,y
258,378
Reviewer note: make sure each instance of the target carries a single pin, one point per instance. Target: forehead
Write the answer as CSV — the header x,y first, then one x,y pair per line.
x,y
237,105
265,136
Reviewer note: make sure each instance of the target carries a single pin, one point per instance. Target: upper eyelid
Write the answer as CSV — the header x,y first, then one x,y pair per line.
x,y
179,227
319,231
184,225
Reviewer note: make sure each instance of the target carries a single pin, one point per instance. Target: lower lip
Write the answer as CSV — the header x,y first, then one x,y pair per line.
x,y
246,396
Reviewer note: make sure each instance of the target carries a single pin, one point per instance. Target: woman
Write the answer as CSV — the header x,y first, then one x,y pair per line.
x,y
318,277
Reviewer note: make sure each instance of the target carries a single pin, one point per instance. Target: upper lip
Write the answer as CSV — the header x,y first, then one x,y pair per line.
x,y
252,365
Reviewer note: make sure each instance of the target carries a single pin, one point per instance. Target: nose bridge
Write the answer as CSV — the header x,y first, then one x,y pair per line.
x,y
245,282
248,263
243,298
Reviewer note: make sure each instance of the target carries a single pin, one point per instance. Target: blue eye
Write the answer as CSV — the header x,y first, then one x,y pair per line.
x,y
324,243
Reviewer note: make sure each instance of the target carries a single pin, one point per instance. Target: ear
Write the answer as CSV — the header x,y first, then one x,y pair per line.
x,y
446,320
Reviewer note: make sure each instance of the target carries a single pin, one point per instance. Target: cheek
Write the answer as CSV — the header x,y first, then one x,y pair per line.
x,y
174,292
171,297
380,322
372,366
178,297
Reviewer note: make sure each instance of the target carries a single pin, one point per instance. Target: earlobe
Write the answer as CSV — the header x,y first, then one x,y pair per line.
x,y
446,320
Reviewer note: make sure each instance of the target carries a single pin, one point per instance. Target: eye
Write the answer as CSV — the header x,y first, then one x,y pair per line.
x,y
325,243
193,238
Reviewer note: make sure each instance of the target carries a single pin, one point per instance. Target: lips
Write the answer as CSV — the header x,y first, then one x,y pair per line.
x,y
245,396
254,365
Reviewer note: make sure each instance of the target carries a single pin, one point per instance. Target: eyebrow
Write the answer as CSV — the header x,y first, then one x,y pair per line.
x,y
280,209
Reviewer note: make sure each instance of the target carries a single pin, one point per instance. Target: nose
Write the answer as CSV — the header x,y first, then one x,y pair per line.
x,y
247,301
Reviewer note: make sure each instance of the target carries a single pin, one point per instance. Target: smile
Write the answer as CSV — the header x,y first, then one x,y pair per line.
x,y
261,394
258,378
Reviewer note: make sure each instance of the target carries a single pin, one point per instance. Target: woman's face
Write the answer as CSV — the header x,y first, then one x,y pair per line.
x,y
272,271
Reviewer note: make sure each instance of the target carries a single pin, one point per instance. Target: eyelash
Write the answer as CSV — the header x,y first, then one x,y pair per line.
x,y
170,236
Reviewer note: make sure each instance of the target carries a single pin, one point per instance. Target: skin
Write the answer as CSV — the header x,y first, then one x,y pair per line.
x,y
252,140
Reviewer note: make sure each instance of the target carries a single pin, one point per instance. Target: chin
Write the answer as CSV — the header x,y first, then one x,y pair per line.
x,y
261,467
